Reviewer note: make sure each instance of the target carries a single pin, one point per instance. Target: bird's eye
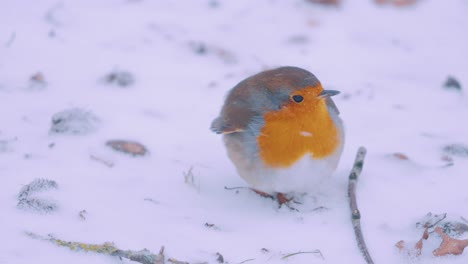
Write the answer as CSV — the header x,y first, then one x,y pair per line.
x,y
298,98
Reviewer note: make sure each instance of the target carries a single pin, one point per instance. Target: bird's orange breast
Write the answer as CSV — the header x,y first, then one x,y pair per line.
x,y
295,131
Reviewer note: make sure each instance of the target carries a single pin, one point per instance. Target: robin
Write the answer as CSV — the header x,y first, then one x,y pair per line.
x,y
282,131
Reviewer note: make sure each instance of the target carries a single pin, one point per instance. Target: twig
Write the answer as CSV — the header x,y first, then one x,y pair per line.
x,y
430,220
356,215
247,260
142,256
107,163
236,188
176,261
304,252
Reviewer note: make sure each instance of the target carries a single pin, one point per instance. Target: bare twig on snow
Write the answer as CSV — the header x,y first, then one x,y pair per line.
x,y
356,215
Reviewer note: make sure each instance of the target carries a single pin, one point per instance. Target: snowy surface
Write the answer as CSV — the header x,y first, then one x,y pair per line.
x,y
390,64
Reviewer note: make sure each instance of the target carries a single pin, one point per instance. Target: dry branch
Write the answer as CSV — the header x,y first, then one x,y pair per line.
x,y
142,256
356,215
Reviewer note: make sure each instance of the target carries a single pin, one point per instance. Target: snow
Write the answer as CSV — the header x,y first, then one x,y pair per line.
x,y
389,63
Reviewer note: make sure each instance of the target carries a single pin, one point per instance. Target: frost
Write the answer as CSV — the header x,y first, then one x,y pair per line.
x,y
74,121
27,202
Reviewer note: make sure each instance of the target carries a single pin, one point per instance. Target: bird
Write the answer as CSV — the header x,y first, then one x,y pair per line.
x,y
282,131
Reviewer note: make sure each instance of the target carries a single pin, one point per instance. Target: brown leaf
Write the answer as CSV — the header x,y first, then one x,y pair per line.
x,y
400,156
401,245
326,2
449,245
129,147
38,77
397,3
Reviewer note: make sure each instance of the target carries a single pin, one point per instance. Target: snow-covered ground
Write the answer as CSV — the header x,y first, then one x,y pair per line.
x,y
390,64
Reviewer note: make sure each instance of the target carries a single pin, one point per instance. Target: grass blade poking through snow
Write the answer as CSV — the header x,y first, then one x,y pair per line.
x,y
356,215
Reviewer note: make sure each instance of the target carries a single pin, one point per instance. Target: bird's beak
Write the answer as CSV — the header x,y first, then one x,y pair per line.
x,y
328,93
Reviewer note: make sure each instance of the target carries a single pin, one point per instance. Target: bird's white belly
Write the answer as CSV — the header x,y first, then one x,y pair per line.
x,y
302,177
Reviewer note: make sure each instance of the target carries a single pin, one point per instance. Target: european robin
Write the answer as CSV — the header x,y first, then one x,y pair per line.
x,y
282,131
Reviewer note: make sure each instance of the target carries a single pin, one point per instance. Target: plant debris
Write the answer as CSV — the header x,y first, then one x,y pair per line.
x,y
129,147
82,214
458,150
452,84
176,261
74,121
318,252
189,179
326,2
417,249
212,226
151,200
455,228
219,257
430,220
400,156
355,213
120,78
26,202
397,3
37,81
142,256
107,163
202,48
444,229
449,245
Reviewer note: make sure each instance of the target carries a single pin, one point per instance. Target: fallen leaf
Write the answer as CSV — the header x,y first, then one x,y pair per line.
x,y
449,245
416,251
130,147
400,156
397,3
326,2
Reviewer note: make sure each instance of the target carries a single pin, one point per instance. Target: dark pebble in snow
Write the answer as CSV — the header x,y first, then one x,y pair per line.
x,y
452,84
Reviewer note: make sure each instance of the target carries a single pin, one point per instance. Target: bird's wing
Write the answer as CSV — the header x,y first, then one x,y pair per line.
x,y
235,117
